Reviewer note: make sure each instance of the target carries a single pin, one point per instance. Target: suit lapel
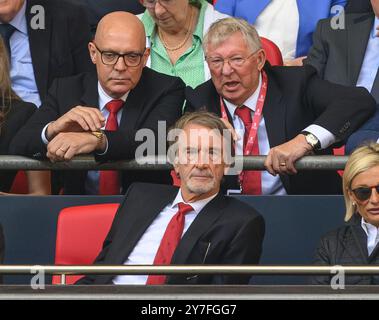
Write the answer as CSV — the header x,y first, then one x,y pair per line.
x,y
357,27
135,224
360,240
134,108
203,222
90,97
38,38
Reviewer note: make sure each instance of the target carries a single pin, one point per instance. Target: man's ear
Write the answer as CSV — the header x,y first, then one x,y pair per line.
x,y
146,56
92,52
261,59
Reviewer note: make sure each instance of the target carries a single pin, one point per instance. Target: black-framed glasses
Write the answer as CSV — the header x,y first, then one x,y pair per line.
x,y
150,4
110,58
364,193
234,62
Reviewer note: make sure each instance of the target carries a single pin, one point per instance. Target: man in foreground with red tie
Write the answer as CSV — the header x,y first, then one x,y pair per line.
x,y
195,224
284,113
102,112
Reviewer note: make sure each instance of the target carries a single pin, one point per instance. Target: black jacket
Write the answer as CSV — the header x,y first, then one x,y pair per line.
x,y
226,231
157,97
15,118
346,246
60,49
296,98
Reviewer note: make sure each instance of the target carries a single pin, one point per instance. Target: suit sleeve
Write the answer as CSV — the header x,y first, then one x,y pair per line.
x,y
27,141
321,258
2,249
122,144
339,109
318,55
244,249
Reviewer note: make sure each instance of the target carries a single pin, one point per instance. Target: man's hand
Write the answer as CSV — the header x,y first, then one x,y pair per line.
x,y
66,145
281,159
297,62
78,119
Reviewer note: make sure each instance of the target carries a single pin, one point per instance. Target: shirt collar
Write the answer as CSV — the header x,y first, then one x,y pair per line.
x,y
104,98
374,30
19,21
251,102
368,227
197,205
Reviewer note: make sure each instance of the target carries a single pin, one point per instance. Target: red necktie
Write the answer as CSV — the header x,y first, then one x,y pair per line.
x,y
109,181
169,242
252,180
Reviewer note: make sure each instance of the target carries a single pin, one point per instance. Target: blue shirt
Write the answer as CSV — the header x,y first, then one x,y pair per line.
x,y
371,60
22,72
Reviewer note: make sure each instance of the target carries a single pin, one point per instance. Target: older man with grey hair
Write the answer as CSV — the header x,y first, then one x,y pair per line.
x,y
284,113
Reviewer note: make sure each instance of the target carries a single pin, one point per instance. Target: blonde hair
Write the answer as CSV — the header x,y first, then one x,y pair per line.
x,y
361,160
222,29
6,92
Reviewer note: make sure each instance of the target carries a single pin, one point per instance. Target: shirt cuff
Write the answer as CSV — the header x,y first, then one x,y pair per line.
x,y
325,137
43,134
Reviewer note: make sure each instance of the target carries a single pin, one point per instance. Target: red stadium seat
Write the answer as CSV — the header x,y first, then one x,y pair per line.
x,y
273,54
20,183
81,231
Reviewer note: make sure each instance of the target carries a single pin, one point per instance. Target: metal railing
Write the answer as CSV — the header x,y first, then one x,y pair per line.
x,y
159,163
63,271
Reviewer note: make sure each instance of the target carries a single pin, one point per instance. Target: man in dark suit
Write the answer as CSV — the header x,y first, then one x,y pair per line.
x,y
123,96
349,56
302,114
47,39
195,224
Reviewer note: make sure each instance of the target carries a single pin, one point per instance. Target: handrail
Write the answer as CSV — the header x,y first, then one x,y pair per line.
x,y
159,163
187,269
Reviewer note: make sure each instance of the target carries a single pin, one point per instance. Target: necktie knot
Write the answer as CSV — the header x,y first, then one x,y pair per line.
x,y
244,113
184,208
114,106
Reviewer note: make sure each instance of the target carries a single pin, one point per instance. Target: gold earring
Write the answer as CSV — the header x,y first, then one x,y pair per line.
x,y
354,204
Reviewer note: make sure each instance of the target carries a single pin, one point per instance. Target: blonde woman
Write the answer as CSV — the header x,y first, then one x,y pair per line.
x,y
13,115
356,243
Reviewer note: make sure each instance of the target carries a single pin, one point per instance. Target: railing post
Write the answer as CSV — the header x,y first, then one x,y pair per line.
x,y
63,279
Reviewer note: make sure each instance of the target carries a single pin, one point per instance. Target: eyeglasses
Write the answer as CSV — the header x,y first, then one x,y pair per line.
x,y
234,62
110,58
364,193
150,4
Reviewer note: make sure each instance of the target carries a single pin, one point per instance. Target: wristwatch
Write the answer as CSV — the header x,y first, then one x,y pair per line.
x,y
312,140
98,134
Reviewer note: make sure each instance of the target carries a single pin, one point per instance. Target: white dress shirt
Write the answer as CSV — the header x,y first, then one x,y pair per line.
x,y
279,22
271,185
21,71
372,235
92,181
145,250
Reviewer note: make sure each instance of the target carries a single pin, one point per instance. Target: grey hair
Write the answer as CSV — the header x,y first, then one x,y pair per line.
x,y
222,29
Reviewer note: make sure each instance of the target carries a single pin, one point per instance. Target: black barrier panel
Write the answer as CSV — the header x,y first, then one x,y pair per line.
x,y
294,225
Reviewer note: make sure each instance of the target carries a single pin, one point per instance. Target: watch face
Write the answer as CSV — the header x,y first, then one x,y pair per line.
x,y
311,139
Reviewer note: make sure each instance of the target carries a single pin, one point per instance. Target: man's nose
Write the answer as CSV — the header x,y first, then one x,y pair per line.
x,y
226,68
120,64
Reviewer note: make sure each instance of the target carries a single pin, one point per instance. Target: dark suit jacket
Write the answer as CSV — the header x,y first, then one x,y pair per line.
x,y
59,50
297,98
338,54
346,246
233,231
157,97
369,132
16,117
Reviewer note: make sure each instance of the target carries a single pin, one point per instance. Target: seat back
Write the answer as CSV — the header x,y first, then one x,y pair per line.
x,y
273,54
81,231
20,183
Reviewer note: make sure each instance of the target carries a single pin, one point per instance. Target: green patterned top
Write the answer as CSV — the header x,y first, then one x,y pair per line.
x,y
190,66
